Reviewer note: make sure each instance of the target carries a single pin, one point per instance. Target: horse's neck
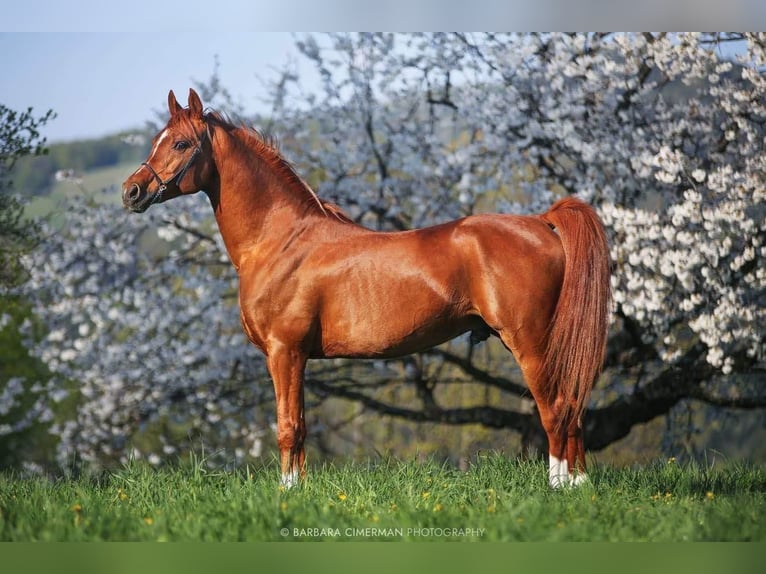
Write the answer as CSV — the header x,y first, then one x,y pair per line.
x,y
255,206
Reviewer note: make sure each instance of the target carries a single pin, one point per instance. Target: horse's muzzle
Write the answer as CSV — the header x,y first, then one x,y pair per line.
x,y
132,196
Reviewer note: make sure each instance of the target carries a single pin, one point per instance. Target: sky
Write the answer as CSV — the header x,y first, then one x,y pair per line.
x,y
79,58
104,83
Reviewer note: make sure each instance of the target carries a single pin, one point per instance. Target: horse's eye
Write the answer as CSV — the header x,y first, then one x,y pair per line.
x,y
181,145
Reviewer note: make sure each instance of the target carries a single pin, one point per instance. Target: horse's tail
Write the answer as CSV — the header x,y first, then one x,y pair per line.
x,y
576,344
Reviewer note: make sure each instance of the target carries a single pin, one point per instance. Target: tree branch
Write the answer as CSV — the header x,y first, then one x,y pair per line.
x,y
488,416
603,425
481,375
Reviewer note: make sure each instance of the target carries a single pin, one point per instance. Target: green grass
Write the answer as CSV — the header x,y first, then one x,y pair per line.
x,y
496,499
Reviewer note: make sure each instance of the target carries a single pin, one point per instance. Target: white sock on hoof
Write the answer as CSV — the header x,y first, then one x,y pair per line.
x,y
579,479
558,472
559,475
290,479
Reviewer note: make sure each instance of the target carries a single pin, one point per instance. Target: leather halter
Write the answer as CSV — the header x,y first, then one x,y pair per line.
x,y
176,178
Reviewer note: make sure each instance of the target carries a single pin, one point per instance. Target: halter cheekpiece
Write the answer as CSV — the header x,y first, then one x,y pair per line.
x,y
177,177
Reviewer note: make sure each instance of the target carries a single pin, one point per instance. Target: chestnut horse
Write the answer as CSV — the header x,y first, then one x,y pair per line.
x,y
313,284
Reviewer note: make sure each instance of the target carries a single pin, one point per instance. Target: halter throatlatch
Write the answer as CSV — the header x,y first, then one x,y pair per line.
x,y
176,178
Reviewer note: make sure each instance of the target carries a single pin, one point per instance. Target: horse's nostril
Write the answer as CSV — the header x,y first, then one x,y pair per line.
x,y
131,194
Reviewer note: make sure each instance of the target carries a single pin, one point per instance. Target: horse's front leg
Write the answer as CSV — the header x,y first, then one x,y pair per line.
x,y
287,366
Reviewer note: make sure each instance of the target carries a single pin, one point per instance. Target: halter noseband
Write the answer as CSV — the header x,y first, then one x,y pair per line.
x,y
175,179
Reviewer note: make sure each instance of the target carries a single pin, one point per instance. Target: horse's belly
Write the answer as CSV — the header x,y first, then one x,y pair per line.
x,y
393,337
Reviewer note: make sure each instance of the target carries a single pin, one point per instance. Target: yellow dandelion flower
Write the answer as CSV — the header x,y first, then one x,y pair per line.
x,y
709,495
283,506
121,494
593,498
342,496
148,520
375,518
393,506
426,494
77,509
437,507
671,460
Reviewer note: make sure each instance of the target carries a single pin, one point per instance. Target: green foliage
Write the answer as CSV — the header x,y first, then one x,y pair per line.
x,y
495,499
19,138
33,176
33,443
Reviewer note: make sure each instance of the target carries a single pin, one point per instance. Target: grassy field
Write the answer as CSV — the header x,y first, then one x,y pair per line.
x,y
100,185
496,499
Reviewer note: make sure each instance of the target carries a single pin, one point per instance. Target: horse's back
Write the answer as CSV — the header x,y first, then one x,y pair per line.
x,y
400,292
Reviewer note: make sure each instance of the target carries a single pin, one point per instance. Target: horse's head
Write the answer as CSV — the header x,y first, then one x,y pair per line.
x,y
180,160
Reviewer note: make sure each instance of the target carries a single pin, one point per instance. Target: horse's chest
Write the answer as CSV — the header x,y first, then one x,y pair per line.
x,y
275,312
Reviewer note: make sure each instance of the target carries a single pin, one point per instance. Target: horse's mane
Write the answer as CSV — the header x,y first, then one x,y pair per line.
x,y
267,148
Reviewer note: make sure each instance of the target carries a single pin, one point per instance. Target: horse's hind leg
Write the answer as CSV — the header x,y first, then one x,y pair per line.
x,y
565,441
566,451
566,458
576,453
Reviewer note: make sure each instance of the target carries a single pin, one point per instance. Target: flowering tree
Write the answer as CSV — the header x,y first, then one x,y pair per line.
x,y
144,344
664,134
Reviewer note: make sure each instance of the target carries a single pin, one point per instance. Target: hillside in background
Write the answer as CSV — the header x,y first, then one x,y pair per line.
x,y
70,162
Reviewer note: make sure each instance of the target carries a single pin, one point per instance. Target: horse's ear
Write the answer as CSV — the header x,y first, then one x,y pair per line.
x,y
173,106
195,104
